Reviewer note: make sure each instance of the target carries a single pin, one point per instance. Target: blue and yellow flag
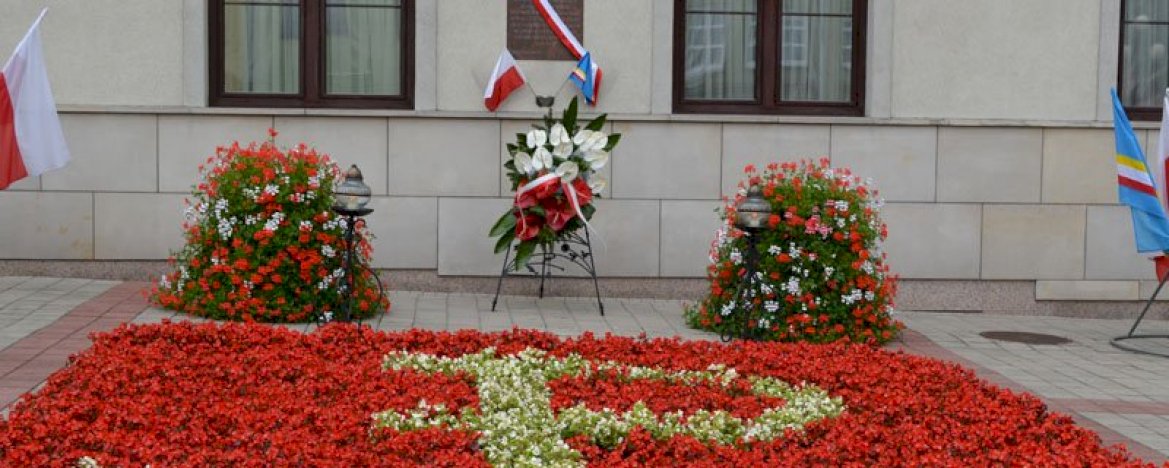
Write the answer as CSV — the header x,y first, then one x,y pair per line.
x,y
1136,186
587,77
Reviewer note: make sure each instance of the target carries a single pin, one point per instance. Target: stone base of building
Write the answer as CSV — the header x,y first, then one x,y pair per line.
x,y
1086,299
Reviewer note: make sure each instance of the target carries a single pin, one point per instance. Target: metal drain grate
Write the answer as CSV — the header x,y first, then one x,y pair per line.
x,y
1025,337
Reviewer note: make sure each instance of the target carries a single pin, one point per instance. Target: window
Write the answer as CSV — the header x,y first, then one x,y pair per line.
x,y
311,53
1144,57
769,56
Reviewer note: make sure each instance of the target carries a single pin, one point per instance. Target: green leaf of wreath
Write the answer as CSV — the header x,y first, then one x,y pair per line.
x,y
504,241
523,252
613,139
598,123
569,116
504,224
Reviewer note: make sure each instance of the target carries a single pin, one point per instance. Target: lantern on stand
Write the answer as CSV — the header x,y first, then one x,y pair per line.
x,y
350,198
751,215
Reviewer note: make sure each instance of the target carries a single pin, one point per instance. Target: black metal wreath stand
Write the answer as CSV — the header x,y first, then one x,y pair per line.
x,y
571,248
1119,341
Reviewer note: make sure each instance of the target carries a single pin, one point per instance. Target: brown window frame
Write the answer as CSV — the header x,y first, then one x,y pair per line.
x,y
312,68
1134,113
767,56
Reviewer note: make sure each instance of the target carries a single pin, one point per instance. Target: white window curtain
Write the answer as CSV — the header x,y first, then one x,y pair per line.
x,y
720,49
1145,52
816,43
261,47
363,47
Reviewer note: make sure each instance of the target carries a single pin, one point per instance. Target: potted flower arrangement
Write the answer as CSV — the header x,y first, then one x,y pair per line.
x,y
823,275
553,172
262,243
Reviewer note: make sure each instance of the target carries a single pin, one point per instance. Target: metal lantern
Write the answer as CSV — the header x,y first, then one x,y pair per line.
x,y
753,211
351,196
349,200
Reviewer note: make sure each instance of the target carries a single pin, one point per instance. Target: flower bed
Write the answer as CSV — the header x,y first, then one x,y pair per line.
x,y
247,394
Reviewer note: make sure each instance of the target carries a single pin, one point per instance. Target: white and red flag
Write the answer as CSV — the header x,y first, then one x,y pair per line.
x,y
505,79
1160,174
31,140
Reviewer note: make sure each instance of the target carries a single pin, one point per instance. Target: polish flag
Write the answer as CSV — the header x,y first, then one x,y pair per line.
x,y
505,79
31,140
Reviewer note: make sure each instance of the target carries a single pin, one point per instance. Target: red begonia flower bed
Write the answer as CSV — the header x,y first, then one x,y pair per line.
x,y
252,395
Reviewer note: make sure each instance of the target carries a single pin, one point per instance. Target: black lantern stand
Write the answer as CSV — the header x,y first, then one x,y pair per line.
x,y
350,200
751,217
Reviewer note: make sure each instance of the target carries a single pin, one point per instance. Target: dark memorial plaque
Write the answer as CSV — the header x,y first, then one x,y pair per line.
x,y
530,38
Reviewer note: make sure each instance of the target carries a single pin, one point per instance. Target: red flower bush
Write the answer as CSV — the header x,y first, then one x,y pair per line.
x,y
263,243
249,395
823,277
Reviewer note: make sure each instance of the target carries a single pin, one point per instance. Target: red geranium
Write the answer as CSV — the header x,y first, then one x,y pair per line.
x,y
262,241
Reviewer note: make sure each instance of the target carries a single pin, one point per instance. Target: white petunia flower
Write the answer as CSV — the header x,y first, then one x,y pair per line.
x,y
541,159
559,135
567,171
537,138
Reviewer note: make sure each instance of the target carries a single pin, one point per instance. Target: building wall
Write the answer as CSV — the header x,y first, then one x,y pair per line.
x,y
986,131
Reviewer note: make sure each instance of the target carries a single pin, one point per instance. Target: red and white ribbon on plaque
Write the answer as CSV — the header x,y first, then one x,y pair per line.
x,y
559,28
564,34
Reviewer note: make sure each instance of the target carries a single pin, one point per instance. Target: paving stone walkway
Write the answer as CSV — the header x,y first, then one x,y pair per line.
x,y
1122,396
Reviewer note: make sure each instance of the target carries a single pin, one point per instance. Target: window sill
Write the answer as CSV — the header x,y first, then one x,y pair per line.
x,y
681,118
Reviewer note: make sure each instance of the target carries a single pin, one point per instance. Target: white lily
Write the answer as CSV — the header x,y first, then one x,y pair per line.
x,y
559,135
596,159
523,163
562,150
597,183
567,171
541,159
536,138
